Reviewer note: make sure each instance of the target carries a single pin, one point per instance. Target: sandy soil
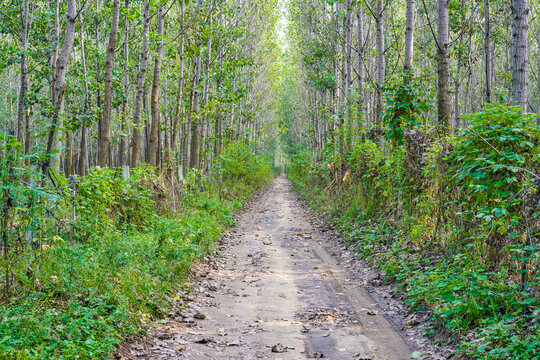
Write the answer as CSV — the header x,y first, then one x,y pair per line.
x,y
274,291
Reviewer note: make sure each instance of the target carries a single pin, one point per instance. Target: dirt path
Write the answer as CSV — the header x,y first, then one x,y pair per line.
x,y
274,284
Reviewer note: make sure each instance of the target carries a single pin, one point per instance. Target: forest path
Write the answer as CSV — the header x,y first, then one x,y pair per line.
x,y
273,283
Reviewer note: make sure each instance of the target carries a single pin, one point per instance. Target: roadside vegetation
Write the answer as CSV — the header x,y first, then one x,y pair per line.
x,y
411,126
93,261
454,225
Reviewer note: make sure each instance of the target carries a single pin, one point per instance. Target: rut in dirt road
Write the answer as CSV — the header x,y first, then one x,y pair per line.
x,y
275,293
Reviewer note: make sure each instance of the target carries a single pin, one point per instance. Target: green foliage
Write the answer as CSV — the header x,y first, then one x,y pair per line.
x,y
455,225
113,267
406,106
239,162
495,157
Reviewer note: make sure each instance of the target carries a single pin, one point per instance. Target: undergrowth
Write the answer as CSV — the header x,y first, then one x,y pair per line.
x,y
77,291
455,228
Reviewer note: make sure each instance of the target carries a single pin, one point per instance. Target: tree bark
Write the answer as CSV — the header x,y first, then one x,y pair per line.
x,y
59,85
178,110
359,16
219,122
520,55
380,62
194,116
25,23
105,138
409,38
443,68
122,158
83,146
152,157
136,138
487,50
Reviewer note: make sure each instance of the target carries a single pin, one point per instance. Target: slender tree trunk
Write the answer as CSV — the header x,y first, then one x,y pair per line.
x,y
152,158
25,23
105,138
443,96
83,146
538,77
219,122
349,74
60,69
178,110
359,16
122,158
206,126
194,116
520,55
487,49
380,62
409,38
56,39
136,138
98,79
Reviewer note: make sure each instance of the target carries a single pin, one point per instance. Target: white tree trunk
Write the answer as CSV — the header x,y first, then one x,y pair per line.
x,y
519,55
443,96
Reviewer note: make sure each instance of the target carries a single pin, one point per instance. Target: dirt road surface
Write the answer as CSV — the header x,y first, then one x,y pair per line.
x,y
274,292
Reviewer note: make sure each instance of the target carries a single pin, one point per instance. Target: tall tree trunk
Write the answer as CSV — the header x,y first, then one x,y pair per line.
x,y
98,77
194,116
56,39
152,158
443,68
105,138
136,138
349,78
409,38
219,121
520,55
178,109
380,62
206,121
83,145
359,16
538,77
122,158
60,69
487,50
25,23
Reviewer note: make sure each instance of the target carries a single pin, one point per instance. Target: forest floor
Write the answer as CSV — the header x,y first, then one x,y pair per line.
x,y
283,287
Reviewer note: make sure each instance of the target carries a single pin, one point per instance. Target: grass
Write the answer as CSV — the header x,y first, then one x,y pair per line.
x,y
81,298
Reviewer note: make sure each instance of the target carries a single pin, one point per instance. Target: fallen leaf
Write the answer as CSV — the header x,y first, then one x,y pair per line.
x,y
180,348
222,332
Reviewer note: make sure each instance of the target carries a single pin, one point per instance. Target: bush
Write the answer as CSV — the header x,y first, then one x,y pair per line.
x,y
106,261
455,223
